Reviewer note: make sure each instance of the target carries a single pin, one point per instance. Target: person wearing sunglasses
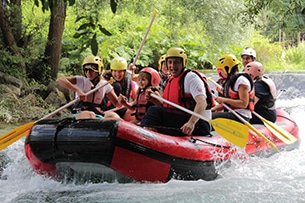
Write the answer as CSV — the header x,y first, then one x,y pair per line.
x,y
90,106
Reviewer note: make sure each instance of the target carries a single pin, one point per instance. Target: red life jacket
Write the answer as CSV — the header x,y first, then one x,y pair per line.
x,y
230,93
142,105
174,92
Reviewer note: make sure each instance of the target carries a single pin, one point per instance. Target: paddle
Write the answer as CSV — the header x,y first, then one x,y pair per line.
x,y
15,134
231,130
276,130
142,43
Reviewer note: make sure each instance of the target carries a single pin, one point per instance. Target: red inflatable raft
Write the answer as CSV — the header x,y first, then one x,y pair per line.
x,y
118,150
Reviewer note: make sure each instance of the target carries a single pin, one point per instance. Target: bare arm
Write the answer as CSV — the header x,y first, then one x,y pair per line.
x,y
201,105
69,83
113,98
124,102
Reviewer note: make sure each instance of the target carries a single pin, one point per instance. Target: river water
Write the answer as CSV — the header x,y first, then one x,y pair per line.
x,y
279,178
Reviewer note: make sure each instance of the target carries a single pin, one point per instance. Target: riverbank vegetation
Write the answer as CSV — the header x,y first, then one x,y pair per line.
x,y
41,40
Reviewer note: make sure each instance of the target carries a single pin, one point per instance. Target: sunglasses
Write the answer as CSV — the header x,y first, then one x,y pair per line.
x,y
88,69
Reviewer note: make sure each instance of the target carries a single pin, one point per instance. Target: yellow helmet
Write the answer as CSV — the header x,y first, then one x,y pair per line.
x,y
226,63
162,59
94,60
177,52
118,63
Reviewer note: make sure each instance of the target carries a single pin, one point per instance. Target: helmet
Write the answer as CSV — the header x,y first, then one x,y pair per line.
x,y
155,77
248,51
162,59
177,52
226,63
118,63
255,69
94,60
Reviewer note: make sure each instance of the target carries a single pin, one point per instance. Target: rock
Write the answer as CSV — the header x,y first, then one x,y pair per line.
x,y
7,79
10,89
10,84
56,98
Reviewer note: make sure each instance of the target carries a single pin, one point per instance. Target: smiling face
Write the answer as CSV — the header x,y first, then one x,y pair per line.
x,y
118,75
175,66
90,71
144,80
246,59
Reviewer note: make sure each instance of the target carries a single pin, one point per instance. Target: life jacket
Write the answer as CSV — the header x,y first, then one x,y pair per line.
x,y
174,92
141,105
230,93
94,100
123,87
269,101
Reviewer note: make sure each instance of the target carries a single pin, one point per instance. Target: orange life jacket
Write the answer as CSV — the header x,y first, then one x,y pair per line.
x,y
174,92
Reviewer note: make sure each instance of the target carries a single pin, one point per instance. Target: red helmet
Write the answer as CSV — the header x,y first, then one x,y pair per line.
x,y
155,77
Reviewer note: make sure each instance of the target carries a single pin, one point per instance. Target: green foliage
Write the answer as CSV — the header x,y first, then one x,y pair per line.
x,y
9,64
274,57
205,29
294,57
287,16
171,28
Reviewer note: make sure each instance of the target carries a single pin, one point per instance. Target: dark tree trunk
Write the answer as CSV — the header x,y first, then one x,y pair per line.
x,y
9,39
56,29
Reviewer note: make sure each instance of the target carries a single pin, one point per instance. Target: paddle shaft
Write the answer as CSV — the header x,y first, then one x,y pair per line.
x,y
145,36
179,107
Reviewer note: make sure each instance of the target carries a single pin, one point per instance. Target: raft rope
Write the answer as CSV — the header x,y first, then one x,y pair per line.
x,y
59,127
192,139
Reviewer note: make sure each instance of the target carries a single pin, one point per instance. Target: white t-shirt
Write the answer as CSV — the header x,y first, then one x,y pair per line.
x,y
195,86
83,83
242,80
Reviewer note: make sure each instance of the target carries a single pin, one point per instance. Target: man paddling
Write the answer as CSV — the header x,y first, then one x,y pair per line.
x,y
187,89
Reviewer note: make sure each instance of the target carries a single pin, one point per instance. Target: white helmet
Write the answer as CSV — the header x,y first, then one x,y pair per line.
x,y
248,51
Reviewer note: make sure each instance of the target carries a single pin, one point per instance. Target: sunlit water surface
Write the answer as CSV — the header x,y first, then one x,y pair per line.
x,y
279,178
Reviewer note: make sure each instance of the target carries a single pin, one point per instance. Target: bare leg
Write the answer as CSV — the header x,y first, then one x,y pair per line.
x,y
111,116
86,115
128,116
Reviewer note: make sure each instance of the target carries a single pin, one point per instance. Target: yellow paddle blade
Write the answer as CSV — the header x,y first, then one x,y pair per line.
x,y
233,131
279,132
14,135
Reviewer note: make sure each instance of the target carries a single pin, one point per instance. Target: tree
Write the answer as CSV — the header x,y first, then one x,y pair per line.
x,y
11,27
56,29
287,16
8,34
